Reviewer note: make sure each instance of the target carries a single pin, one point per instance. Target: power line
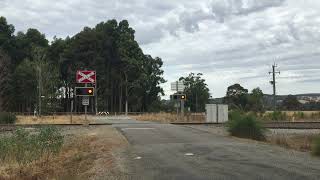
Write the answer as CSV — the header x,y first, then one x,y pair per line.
x,y
273,82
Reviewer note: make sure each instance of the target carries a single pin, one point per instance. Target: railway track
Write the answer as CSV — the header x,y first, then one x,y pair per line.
x,y
292,125
270,125
11,127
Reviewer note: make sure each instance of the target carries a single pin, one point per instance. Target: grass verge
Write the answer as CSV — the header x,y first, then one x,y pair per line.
x,y
85,154
302,142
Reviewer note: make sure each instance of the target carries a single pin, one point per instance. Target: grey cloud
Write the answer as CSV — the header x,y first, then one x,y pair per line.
x,y
317,80
190,21
226,8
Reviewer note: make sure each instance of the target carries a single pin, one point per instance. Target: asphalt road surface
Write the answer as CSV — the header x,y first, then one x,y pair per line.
x,y
163,151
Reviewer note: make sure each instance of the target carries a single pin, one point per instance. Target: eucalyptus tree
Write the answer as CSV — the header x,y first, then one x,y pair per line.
x,y
197,92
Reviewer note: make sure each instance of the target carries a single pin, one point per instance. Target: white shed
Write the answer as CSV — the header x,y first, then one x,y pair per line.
x,y
216,113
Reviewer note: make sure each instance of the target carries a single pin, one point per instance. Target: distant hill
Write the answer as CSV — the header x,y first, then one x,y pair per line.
x,y
310,94
306,97
298,95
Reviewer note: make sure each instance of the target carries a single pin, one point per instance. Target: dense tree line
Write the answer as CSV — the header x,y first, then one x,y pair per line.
x,y
30,65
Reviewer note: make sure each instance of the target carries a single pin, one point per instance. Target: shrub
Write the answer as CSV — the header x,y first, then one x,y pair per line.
x,y
7,118
245,126
316,146
23,147
234,115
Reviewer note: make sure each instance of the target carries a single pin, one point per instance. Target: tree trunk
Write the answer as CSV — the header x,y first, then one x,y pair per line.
x,y
120,98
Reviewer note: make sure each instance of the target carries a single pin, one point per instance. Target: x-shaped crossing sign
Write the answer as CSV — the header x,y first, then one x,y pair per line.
x,y
86,76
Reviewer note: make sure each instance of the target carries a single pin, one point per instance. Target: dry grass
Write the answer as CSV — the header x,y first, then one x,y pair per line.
x,y
296,115
297,142
55,119
85,155
169,117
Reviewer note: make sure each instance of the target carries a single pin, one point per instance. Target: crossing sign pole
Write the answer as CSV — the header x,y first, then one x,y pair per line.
x,y
179,87
85,106
85,77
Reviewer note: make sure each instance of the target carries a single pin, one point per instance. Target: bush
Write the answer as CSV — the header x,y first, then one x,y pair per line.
x,y
316,146
234,115
7,118
245,126
23,147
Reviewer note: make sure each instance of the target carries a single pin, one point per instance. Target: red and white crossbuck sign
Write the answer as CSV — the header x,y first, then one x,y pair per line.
x,y
86,76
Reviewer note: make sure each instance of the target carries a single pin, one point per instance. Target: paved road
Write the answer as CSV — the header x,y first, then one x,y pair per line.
x,y
163,151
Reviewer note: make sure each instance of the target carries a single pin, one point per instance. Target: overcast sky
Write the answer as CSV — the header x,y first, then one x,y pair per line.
x,y
229,41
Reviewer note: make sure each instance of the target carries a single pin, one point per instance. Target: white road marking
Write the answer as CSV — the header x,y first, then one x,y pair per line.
x,y
189,154
137,128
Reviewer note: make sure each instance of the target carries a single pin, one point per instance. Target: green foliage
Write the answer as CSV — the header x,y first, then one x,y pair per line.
x,y
245,126
316,146
291,103
236,97
24,147
48,75
6,34
7,118
197,92
235,115
5,80
255,101
124,72
25,89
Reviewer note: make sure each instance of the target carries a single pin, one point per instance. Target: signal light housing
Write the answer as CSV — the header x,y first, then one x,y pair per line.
x,y
178,97
84,91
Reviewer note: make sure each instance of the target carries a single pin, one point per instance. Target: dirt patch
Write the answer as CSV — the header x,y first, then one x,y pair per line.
x,y
86,154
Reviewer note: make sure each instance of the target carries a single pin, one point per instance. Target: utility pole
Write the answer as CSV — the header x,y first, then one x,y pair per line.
x,y
39,89
96,96
273,82
126,104
85,107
